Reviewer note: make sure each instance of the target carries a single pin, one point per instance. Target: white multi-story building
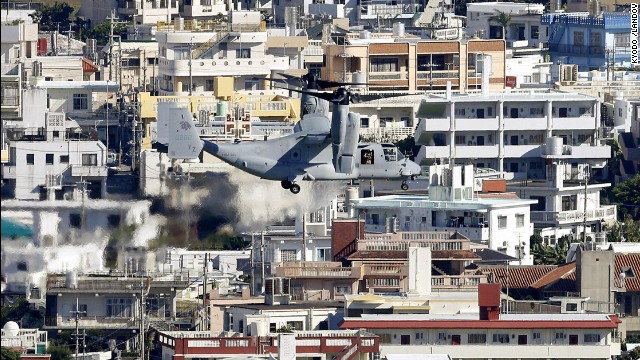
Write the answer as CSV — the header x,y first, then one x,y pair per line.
x,y
523,34
492,335
216,58
626,115
507,132
502,222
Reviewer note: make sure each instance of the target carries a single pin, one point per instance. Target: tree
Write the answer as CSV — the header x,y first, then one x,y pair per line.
x,y
60,352
503,19
627,196
100,32
49,16
10,354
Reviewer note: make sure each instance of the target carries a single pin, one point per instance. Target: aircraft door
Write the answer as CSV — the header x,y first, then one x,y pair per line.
x,y
367,162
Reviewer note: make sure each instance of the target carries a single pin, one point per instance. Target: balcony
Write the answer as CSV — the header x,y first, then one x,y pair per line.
x,y
224,67
435,124
516,151
91,322
576,50
386,270
490,350
457,282
393,133
320,271
525,123
89,171
574,123
388,75
476,151
11,70
485,124
431,152
574,216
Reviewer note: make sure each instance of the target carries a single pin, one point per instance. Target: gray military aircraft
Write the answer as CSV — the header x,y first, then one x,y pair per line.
x,y
318,149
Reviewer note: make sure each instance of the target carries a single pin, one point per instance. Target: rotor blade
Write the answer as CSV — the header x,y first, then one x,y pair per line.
x,y
286,81
329,84
359,98
329,96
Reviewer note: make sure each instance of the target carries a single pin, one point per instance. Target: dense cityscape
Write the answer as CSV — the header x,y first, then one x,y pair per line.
x,y
371,179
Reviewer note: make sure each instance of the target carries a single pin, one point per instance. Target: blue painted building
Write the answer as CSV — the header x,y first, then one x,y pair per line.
x,y
587,40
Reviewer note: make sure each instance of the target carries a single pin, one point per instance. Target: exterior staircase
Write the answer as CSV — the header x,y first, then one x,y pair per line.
x,y
206,46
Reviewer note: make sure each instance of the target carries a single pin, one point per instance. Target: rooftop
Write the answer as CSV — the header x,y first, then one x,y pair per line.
x,y
530,95
477,204
300,305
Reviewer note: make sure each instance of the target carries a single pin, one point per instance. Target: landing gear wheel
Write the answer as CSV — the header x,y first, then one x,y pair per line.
x,y
404,186
295,188
286,184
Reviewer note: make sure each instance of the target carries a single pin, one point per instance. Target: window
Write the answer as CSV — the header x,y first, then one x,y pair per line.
x,y
375,219
591,338
477,338
80,102
501,338
536,111
384,64
460,139
89,159
442,337
49,159
569,202
119,307
385,120
64,159
288,255
241,325
366,157
75,220
295,325
535,32
622,40
572,307
243,53
208,86
385,338
578,38
560,336
114,220
419,336
323,254
573,339
273,327
461,112
22,266
502,222
343,289
520,220
30,159
56,134
364,122
537,337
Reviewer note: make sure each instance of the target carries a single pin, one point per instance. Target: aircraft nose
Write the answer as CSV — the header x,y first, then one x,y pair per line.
x,y
417,170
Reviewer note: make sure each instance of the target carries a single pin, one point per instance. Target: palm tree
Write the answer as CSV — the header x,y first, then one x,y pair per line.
x,y
503,19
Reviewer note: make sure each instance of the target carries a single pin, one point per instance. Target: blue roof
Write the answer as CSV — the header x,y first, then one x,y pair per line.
x,y
14,229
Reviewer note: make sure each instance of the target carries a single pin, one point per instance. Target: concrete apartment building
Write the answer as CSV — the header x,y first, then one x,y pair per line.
x,y
490,334
403,63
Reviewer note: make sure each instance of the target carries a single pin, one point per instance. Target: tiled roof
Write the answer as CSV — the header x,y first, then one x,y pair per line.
x,y
400,254
630,265
562,278
515,277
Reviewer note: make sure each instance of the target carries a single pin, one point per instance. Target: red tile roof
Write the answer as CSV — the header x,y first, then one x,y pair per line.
x,y
515,276
630,264
559,274
497,195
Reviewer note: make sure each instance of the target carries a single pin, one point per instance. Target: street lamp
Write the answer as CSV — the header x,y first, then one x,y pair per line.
x,y
190,67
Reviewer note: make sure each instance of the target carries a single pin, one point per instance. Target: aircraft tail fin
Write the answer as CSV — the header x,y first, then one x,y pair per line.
x,y
184,140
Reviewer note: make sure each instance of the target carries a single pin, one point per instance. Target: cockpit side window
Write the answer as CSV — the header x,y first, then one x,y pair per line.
x,y
390,154
366,157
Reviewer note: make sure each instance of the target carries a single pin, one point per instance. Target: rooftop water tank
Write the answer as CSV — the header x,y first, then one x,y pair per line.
x,y
553,146
11,328
398,30
72,279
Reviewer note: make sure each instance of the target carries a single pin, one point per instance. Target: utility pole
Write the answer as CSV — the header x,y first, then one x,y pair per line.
x,y
252,265
204,292
304,237
112,23
262,280
584,218
76,314
142,330
69,34
190,67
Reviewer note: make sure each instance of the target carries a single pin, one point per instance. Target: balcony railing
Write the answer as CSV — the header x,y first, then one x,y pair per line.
x,y
391,75
438,74
577,49
90,321
385,270
605,212
444,281
318,272
88,170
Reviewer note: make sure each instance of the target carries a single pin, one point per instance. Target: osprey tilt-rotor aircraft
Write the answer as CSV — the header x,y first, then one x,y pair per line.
x,y
319,149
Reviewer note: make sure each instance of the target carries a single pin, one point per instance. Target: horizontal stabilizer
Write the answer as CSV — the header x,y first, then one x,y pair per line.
x,y
184,140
